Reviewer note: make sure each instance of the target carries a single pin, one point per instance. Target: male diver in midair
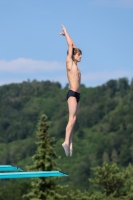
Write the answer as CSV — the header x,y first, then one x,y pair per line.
x,y
73,96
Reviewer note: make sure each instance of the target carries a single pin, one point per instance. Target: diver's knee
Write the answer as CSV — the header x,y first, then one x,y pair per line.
x,y
72,120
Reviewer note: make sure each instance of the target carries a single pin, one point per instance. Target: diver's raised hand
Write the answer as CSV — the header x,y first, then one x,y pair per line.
x,y
63,33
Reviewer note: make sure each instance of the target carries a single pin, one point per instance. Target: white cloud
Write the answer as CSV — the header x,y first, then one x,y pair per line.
x,y
29,65
112,3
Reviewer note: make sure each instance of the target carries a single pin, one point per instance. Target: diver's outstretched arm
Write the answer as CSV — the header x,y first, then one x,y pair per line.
x,y
70,42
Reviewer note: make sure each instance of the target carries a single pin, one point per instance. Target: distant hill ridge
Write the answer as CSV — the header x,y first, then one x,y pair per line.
x,y
103,131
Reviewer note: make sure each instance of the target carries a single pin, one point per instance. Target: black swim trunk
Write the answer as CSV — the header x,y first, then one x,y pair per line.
x,y
71,93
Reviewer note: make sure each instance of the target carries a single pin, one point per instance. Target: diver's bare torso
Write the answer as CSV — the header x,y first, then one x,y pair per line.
x,y
74,76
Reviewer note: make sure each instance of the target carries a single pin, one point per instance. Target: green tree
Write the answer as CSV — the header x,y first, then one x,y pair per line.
x,y
44,160
75,194
13,189
105,157
123,86
112,86
114,182
114,156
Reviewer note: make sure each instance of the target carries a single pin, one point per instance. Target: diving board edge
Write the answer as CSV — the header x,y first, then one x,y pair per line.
x,y
35,174
9,168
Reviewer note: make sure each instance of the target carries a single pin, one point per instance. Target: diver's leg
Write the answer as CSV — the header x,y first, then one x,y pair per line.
x,y
70,145
72,107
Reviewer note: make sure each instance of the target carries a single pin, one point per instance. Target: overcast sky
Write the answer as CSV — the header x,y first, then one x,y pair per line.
x,y
31,48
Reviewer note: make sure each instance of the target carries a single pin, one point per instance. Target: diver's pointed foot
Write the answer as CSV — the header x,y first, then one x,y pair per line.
x,y
71,149
66,148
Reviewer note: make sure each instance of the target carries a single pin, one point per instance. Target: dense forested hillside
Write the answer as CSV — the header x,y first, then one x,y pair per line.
x,y
103,131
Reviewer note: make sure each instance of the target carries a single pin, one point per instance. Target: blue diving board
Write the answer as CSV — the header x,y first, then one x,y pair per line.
x,y
9,168
31,174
